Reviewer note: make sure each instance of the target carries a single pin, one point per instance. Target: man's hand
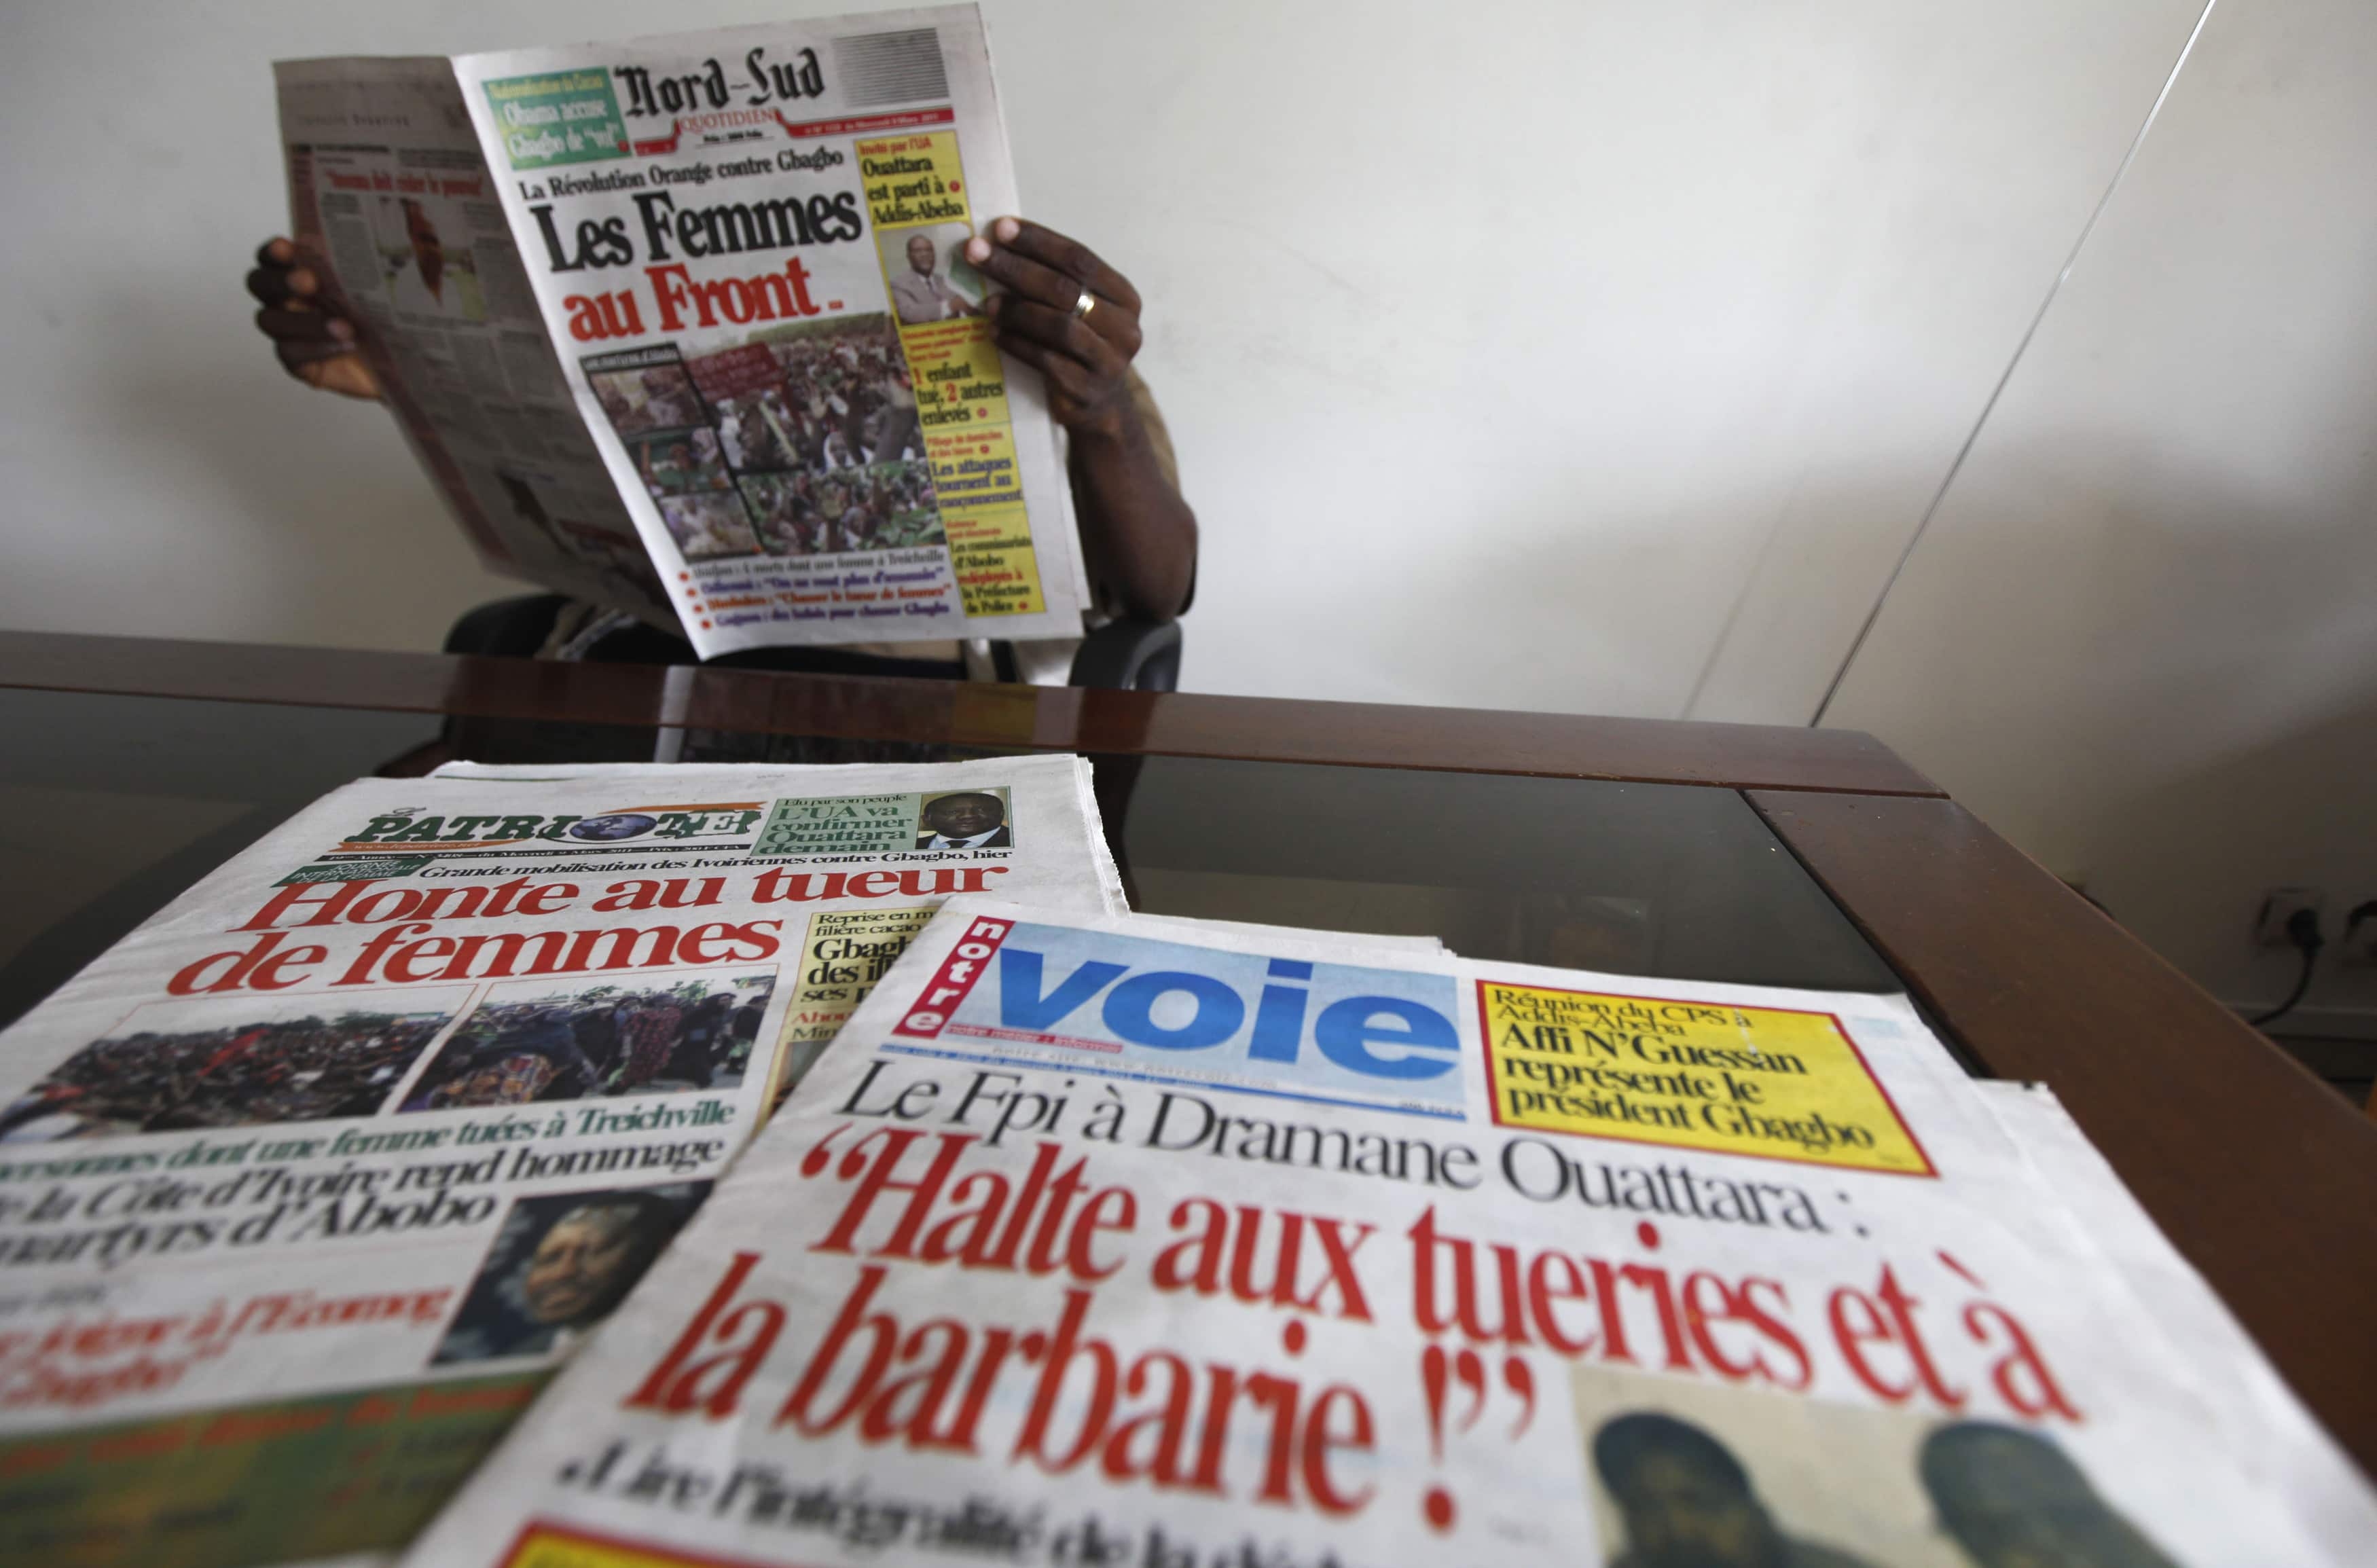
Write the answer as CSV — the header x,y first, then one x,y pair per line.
x,y
313,343
1039,321
1137,536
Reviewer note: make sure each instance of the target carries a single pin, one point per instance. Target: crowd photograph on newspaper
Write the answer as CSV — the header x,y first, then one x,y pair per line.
x,y
231,1062
643,934
601,1039
815,424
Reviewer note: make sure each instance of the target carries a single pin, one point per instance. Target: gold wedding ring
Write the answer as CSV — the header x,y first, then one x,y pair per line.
x,y
1083,305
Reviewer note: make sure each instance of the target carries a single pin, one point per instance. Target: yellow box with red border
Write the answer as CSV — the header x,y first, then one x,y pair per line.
x,y
1775,1082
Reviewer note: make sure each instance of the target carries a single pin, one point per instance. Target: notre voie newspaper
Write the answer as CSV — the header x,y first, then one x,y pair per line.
x,y
307,1184
683,324
1096,1242
2313,1477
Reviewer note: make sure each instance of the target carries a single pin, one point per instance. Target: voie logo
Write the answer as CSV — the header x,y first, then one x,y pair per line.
x,y
1197,1015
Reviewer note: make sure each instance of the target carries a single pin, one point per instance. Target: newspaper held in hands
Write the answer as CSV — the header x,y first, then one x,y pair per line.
x,y
1104,1241
307,1184
684,326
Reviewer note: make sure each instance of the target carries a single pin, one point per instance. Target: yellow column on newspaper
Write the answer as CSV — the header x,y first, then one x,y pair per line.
x,y
1764,1081
960,375
551,1545
973,464
845,951
917,183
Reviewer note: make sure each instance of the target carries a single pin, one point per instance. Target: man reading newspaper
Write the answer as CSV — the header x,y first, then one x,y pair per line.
x,y
1138,532
853,449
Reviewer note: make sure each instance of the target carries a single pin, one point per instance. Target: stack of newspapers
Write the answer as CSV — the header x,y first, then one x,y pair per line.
x,y
623,1167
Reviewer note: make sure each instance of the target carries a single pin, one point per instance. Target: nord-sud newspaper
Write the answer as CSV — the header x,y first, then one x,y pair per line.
x,y
307,1184
1101,1241
682,326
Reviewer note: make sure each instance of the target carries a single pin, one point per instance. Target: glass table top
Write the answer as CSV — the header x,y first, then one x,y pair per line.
x,y
112,805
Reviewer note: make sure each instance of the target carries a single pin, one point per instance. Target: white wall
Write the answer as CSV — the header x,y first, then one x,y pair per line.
x,y
2140,636
1537,324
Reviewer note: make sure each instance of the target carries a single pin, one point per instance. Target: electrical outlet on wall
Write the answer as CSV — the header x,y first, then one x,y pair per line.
x,y
2279,906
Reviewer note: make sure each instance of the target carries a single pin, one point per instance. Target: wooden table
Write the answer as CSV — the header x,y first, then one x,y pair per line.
x,y
2263,1176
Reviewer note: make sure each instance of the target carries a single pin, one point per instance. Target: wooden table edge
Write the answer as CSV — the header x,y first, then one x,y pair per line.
x,y
2264,1177
967,714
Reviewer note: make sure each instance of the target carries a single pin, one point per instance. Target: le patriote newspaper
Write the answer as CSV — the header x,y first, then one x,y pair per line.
x,y
682,326
1095,1241
308,1185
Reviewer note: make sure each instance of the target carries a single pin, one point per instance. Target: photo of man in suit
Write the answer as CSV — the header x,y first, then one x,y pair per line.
x,y
969,819
2010,1498
921,294
1688,1502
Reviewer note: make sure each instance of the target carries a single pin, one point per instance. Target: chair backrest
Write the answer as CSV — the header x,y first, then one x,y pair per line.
x,y
1128,655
